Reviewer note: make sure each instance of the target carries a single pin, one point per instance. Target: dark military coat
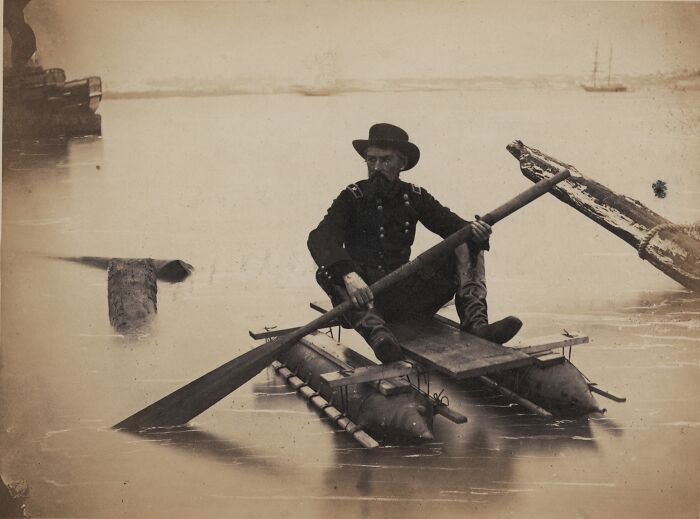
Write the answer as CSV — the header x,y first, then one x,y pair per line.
x,y
373,236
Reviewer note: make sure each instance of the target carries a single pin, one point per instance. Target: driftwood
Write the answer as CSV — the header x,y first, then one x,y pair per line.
x,y
671,248
131,293
171,271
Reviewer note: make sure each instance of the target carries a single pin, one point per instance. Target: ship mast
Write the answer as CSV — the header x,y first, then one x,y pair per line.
x,y
595,67
609,65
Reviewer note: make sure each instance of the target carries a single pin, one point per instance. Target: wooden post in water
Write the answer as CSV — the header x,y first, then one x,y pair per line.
x,y
131,293
671,248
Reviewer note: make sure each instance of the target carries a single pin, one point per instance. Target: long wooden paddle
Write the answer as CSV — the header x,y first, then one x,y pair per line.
x,y
182,405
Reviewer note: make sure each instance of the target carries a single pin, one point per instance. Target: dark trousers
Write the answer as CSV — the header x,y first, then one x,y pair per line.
x,y
460,274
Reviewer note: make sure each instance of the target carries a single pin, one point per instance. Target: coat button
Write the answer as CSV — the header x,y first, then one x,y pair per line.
x,y
381,228
379,208
407,224
406,231
406,202
405,196
381,236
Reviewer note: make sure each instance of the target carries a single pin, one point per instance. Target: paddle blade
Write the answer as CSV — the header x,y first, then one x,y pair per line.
x,y
180,406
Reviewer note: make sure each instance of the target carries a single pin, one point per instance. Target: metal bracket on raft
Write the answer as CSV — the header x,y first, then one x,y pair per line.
x,y
271,332
543,345
595,389
452,415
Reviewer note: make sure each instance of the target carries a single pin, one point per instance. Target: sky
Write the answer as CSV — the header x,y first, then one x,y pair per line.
x,y
323,40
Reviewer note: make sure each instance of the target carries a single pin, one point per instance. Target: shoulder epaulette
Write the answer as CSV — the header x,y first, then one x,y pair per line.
x,y
416,189
355,190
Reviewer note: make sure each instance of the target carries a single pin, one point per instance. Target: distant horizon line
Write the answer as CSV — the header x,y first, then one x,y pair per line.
x,y
181,87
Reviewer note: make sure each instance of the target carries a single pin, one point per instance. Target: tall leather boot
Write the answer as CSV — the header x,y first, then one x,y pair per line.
x,y
470,300
372,327
368,322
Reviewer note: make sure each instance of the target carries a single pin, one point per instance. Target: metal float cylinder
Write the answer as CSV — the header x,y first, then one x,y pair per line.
x,y
397,417
558,387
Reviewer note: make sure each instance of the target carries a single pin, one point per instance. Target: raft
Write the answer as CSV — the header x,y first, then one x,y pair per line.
x,y
535,373
672,248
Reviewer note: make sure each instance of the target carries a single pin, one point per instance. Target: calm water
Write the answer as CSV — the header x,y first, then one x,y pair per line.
x,y
233,185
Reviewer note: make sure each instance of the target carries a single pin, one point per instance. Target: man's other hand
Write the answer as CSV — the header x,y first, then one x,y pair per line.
x,y
480,232
360,294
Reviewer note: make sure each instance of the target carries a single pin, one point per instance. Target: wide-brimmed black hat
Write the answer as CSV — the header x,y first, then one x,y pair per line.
x,y
387,135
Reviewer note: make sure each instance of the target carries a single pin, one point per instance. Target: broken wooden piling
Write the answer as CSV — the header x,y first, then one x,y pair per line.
x,y
673,249
131,293
131,286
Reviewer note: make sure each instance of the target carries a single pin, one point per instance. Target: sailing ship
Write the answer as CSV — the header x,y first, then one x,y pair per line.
x,y
597,86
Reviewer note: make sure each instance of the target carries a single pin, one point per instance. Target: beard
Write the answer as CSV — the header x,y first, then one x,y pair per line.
x,y
378,185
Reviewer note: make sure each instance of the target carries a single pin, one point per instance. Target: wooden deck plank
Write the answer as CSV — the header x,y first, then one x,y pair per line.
x,y
439,344
454,352
368,374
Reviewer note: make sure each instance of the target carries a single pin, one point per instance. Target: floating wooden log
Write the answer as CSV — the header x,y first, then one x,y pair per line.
x,y
673,249
131,286
131,293
171,271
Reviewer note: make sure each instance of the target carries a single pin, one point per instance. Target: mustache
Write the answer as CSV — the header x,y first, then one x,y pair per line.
x,y
377,176
378,184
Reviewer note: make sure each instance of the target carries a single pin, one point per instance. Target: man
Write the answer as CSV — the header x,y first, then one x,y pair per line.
x,y
368,232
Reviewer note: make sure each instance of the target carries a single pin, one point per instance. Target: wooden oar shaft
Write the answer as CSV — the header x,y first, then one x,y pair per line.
x,y
189,401
452,241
